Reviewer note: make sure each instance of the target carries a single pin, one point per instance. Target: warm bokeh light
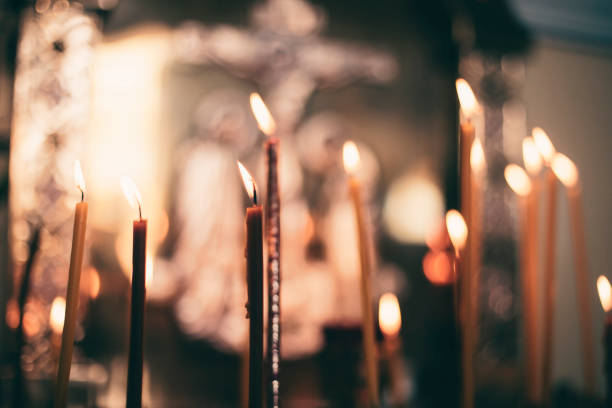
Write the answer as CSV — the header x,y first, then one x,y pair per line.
x,y
94,283
131,192
467,99
605,293
457,229
389,315
477,157
264,118
149,271
531,156
79,180
565,170
438,267
58,311
350,156
12,314
517,179
543,143
249,183
412,208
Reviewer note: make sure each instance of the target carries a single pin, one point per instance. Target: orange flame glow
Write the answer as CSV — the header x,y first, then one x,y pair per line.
x,y
131,193
531,156
264,118
249,183
56,318
517,179
467,100
437,266
477,157
543,143
79,180
350,156
565,170
457,229
605,293
389,316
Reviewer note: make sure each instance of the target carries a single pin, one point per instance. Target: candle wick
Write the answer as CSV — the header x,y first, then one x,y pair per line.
x,y
254,194
139,211
82,193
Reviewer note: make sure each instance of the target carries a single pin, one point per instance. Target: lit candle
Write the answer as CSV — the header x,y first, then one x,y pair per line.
x,y
254,261
458,233
390,322
605,296
566,171
139,249
479,166
72,292
350,155
267,125
519,182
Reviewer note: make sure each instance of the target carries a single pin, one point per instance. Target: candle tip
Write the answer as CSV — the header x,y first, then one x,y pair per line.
x,y
457,229
543,144
79,180
565,170
389,315
249,182
132,194
531,156
605,293
350,156
517,179
467,99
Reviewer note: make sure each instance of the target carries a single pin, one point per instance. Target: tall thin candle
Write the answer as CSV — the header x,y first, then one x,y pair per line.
x,y
254,261
135,357
351,163
520,183
566,171
72,292
267,125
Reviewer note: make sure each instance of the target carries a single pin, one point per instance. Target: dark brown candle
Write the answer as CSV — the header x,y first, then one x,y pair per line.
x,y
274,272
139,259
254,261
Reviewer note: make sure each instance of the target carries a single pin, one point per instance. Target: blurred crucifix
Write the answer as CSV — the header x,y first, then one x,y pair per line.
x,y
284,53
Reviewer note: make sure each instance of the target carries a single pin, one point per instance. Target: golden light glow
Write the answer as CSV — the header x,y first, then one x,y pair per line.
x,y
264,118
12,314
56,318
437,266
467,99
477,157
389,316
517,179
94,283
605,293
79,180
531,156
131,192
350,156
543,143
565,170
249,183
457,229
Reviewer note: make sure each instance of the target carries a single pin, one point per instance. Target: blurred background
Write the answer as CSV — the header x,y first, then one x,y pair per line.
x,y
159,91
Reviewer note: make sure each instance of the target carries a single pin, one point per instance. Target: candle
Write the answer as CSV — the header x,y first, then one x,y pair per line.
x,y
605,296
390,322
478,166
520,183
139,248
267,125
545,150
72,292
458,233
566,171
350,155
254,260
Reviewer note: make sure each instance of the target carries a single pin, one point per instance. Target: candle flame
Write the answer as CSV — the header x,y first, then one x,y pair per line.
x,y
131,193
389,316
264,118
249,183
79,180
517,179
56,318
543,143
350,156
605,293
565,170
457,229
467,100
477,157
531,156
